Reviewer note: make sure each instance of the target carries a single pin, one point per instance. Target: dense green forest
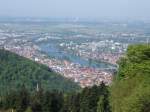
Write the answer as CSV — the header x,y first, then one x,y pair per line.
x,y
94,99
129,92
16,71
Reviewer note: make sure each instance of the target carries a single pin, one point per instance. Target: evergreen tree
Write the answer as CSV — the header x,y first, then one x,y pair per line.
x,y
47,101
10,100
56,101
22,101
84,100
37,100
104,93
100,104
89,98
71,103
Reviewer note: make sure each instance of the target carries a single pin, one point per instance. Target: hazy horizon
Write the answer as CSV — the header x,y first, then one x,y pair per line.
x,y
114,9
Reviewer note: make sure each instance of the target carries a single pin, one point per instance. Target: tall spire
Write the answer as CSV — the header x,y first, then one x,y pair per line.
x,y
37,87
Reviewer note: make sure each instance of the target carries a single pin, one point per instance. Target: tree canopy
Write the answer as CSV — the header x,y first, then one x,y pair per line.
x,y
130,91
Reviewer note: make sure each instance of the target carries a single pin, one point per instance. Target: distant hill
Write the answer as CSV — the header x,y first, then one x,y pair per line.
x,y
16,71
130,91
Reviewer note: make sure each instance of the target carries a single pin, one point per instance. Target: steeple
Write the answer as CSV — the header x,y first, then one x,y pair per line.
x,y
37,87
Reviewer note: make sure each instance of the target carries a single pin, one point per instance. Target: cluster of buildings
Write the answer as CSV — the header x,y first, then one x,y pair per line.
x,y
21,43
108,51
102,46
84,76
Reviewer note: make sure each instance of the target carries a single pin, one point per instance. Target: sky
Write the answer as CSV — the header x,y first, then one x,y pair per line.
x,y
134,9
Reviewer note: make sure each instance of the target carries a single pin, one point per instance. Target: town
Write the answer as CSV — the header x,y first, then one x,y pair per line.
x,y
84,76
70,55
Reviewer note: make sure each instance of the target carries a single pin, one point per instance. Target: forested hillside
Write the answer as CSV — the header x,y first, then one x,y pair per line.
x,y
131,89
129,92
16,71
94,99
